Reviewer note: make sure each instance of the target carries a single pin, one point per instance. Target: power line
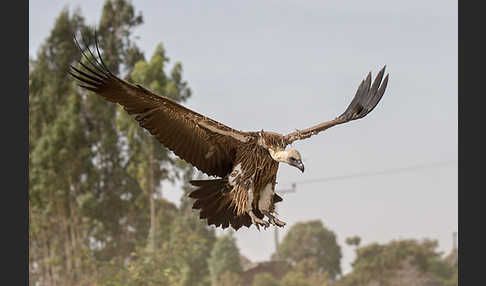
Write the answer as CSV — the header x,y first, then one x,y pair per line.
x,y
375,173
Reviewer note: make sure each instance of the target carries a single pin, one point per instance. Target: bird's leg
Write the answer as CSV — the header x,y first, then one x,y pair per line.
x,y
256,221
249,210
273,220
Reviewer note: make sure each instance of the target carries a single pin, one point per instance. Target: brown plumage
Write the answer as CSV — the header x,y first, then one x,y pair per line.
x,y
245,162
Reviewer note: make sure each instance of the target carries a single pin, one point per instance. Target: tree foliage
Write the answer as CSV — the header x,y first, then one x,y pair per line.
x,y
225,257
353,240
229,278
148,161
265,279
397,261
92,180
311,240
306,272
61,171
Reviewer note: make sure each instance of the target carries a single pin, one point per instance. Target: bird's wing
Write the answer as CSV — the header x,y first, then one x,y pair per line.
x,y
203,142
366,98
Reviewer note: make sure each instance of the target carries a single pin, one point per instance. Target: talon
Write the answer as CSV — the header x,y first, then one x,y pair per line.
x,y
257,222
280,223
263,223
273,220
277,222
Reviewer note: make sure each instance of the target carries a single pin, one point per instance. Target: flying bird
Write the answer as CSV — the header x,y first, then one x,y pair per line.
x,y
245,163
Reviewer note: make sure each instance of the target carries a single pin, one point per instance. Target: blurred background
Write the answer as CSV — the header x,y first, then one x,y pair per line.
x,y
377,203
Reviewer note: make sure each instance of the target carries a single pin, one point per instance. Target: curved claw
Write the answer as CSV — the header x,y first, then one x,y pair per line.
x,y
275,221
267,225
258,222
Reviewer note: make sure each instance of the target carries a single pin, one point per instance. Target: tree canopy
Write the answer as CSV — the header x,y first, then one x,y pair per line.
x,y
95,200
320,244
265,279
400,262
225,258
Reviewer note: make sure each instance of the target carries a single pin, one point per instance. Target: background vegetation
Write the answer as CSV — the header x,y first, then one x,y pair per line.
x,y
96,211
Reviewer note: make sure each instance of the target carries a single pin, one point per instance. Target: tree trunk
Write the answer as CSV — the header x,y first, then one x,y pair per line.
x,y
63,212
73,240
152,223
49,257
152,199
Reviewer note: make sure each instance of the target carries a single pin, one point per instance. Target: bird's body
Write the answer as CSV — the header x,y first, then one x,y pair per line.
x,y
247,192
245,162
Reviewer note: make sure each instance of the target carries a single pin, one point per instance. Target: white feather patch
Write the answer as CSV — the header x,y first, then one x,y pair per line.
x,y
250,199
234,174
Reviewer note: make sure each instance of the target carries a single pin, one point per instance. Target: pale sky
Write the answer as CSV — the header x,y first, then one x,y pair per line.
x,y
282,65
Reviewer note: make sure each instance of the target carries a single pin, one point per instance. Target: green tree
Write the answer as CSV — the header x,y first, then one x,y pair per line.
x,y
225,257
94,173
353,240
147,160
144,266
306,240
181,258
80,197
399,263
191,239
183,238
116,24
265,279
294,279
306,272
229,278
60,161
111,205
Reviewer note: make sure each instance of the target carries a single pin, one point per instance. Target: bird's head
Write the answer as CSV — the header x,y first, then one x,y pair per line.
x,y
291,157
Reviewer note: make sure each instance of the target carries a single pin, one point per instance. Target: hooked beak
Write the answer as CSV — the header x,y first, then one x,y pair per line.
x,y
300,166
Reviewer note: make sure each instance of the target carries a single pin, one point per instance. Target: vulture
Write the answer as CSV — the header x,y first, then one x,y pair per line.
x,y
245,164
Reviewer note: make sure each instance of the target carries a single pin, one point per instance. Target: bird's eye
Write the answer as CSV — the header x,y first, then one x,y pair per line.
x,y
292,159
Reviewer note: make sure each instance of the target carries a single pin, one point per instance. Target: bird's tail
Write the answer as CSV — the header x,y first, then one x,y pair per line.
x,y
213,198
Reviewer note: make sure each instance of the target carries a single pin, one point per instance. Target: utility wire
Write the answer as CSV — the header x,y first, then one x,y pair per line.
x,y
383,172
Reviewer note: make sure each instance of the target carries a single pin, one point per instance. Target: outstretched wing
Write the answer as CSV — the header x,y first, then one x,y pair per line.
x,y
366,98
206,144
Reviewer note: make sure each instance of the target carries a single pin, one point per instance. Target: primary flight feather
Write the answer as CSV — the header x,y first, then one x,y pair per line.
x,y
245,162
